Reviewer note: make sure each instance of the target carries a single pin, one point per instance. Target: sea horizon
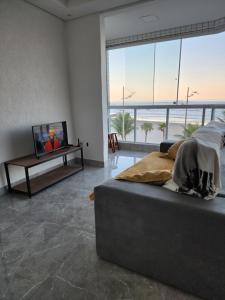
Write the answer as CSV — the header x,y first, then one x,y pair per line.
x,y
176,116
165,102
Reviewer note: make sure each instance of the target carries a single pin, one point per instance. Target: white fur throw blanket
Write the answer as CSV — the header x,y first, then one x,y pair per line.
x,y
197,166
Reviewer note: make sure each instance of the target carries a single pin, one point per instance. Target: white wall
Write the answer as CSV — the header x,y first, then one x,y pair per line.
x,y
87,64
33,77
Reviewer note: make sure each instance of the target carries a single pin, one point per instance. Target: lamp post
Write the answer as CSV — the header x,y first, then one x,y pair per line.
x,y
123,99
153,79
189,95
123,110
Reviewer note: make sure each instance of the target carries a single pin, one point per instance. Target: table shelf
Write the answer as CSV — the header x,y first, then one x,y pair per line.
x,y
47,179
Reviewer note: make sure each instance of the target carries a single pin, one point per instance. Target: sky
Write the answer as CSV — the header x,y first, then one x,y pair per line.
x,y
202,70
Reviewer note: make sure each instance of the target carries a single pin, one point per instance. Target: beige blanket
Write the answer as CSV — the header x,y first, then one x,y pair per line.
x,y
197,166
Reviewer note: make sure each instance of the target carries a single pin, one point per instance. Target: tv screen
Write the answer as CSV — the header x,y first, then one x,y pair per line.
x,y
49,137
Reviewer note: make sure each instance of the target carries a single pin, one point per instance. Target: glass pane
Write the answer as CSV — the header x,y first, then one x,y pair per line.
x,y
130,73
208,113
220,115
122,122
166,71
176,124
116,73
192,121
184,122
203,69
151,125
194,116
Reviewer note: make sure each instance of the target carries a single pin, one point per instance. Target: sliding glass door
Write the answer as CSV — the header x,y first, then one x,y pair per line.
x,y
183,72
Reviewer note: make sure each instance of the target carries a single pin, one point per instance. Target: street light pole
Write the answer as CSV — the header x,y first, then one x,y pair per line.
x,y
153,83
178,75
130,95
189,95
123,111
187,100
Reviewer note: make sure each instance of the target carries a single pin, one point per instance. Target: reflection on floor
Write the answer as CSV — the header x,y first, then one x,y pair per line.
x,y
122,160
47,245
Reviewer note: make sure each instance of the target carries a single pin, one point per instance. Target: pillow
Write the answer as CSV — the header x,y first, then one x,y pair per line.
x,y
172,152
151,169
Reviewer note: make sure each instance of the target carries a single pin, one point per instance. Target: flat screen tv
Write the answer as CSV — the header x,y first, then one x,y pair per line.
x,y
49,137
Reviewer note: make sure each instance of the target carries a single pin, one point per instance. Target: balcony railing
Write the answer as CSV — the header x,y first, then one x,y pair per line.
x,y
168,121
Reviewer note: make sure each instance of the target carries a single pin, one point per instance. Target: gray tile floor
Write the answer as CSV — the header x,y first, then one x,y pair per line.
x,y
47,245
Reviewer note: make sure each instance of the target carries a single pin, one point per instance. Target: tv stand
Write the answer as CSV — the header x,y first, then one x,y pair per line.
x,y
43,181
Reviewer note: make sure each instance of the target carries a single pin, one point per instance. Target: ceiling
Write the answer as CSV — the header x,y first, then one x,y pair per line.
x,y
123,18
164,14
70,9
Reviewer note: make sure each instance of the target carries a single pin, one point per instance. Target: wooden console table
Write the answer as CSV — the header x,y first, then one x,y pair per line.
x,y
41,182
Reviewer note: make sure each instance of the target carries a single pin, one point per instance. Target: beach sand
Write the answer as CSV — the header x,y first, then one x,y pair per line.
x,y
155,136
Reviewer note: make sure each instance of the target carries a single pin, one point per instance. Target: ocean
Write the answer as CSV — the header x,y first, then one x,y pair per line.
x,y
176,115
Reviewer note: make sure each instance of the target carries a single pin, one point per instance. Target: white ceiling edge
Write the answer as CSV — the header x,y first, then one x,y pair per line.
x,y
68,10
123,17
169,13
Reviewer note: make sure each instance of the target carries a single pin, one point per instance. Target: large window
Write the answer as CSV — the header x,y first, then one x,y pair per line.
x,y
126,65
165,73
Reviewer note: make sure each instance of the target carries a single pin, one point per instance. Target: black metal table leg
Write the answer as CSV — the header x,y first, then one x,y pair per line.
x,y
65,160
8,177
28,182
82,157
